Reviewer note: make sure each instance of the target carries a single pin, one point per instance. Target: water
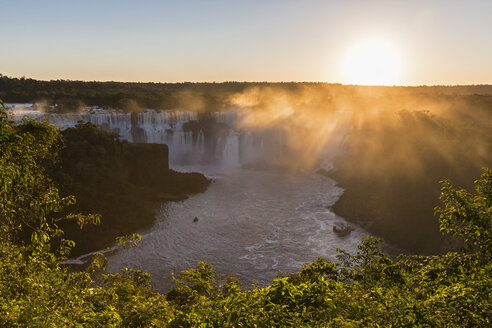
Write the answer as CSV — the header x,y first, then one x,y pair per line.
x,y
251,224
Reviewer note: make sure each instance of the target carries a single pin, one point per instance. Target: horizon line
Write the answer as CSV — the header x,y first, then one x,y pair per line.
x,y
251,81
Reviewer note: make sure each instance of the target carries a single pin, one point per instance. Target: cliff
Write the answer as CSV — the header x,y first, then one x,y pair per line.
x,y
391,171
124,182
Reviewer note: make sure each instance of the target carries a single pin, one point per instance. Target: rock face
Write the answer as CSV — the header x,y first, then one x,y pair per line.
x,y
124,182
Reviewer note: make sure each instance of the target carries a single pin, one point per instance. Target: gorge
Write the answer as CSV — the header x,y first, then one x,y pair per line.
x,y
278,162
262,213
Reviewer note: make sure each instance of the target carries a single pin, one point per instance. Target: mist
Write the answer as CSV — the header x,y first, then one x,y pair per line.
x,y
313,116
389,148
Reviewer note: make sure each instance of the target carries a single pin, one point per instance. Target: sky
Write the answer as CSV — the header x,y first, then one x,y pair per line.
x,y
433,42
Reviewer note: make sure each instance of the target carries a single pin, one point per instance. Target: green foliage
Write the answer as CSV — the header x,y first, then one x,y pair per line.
x,y
128,240
27,196
469,216
72,95
30,205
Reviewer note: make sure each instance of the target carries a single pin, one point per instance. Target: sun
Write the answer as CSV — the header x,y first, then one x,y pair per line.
x,y
372,62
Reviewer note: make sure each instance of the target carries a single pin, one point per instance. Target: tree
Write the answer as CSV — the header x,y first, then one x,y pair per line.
x,y
29,200
469,216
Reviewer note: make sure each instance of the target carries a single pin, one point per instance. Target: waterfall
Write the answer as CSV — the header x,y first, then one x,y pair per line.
x,y
191,140
230,153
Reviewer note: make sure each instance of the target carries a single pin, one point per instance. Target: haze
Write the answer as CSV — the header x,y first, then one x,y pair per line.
x,y
433,42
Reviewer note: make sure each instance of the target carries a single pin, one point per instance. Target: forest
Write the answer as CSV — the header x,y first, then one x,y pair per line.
x,y
71,95
364,289
133,96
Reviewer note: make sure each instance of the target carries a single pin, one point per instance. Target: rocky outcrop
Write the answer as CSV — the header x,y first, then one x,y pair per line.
x,y
124,182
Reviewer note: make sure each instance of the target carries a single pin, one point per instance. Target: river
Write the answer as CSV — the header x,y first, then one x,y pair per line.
x,y
251,224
